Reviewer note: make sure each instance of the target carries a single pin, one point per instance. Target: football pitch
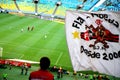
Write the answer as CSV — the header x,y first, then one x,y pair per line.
x,y
46,39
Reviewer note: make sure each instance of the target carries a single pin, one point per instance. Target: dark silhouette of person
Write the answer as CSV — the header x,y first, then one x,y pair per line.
x,y
22,68
42,73
26,69
4,76
60,73
32,28
28,28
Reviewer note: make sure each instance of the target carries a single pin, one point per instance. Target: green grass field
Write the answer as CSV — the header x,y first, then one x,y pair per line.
x,y
31,45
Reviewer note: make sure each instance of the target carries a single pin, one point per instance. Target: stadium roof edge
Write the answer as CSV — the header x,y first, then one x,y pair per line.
x,y
98,4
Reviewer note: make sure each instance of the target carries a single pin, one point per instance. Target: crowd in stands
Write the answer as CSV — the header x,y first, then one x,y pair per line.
x,y
12,63
61,72
54,69
4,64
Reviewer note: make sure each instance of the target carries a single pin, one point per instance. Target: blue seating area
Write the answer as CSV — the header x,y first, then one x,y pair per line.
x,y
72,3
109,5
48,6
89,4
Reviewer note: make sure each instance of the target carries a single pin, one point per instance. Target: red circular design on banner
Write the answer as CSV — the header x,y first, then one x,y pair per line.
x,y
98,21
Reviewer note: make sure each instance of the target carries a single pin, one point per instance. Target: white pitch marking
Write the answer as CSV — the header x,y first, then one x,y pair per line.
x,y
59,57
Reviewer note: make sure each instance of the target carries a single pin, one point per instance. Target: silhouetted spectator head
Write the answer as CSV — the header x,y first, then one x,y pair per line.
x,y
44,63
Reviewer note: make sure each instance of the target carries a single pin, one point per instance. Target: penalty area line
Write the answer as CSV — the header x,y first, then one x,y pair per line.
x,y
59,57
21,56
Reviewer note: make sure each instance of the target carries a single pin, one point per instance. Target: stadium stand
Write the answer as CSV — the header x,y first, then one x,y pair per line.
x,y
48,6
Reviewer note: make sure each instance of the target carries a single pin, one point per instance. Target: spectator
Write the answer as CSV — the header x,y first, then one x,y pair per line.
x,y
45,36
91,77
32,28
60,73
4,76
22,30
42,73
66,72
54,68
10,66
26,69
22,68
86,75
74,73
99,77
80,74
106,77
28,28
94,76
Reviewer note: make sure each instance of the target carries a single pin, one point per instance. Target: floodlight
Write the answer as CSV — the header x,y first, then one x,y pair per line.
x,y
79,6
103,9
58,3
19,11
36,14
52,16
36,1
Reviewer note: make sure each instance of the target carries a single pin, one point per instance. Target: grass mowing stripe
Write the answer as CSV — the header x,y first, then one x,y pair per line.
x,y
15,32
33,45
54,37
62,47
41,36
48,39
11,37
47,32
32,37
44,41
29,42
3,16
25,36
7,20
7,26
12,25
20,49
50,49
20,23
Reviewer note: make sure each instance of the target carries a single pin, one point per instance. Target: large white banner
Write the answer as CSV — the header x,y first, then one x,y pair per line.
x,y
94,41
